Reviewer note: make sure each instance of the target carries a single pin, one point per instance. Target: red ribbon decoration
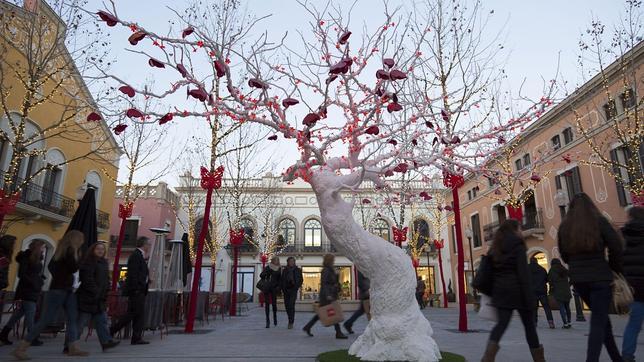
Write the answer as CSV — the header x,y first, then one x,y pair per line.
x,y
125,211
211,180
415,262
263,258
439,244
452,180
8,202
400,235
236,237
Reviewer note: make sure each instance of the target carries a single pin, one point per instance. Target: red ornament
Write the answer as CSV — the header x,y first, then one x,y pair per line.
x,y
439,244
344,38
155,63
256,83
393,142
397,75
263,258
220,68
198,93
133,113
452,180
125,211
366,201
236,236
400,235
211,180
429,124
389,173
388,62
535,177
448,208
107,18
311,119
445,115
393,107
272,138
415,262
331,78
372,130
382,74
127,90
341,67
94,117
187,31
287,102
182,69
401,168
166,118
135,38
119,129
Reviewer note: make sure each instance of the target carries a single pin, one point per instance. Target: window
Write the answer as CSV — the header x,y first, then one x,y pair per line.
x,y
380,227
131,232
287,231
422,228
610,109
568,137
628,99
518,165
475,190
491,182
51,184
526,160
452,235
469,194
476,231
249,230
570,181
312,233
623,156
556,142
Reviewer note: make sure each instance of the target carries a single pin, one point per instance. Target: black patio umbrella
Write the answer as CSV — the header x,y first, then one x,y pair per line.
x,y
187,265
84,219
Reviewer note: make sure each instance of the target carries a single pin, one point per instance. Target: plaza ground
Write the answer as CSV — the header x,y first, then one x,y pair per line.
x,y
245,338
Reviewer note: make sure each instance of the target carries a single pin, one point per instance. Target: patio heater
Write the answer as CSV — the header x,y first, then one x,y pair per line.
x,y
174,279
156,263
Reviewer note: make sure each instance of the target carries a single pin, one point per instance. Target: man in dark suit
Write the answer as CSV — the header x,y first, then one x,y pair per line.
x,y
136,288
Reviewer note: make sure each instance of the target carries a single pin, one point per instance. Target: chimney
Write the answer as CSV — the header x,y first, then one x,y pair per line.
x,y
31,5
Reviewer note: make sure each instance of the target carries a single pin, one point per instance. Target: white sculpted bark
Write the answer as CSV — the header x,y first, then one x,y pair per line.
x,y
398,331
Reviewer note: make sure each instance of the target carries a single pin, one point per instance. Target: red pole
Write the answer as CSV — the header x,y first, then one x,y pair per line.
x,y
197,273
117,256
462,311
440,266
233,294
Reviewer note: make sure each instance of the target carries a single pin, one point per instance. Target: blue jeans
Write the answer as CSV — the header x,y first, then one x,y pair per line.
x,y
56,299
359,312
100,325
632,330
598,296
564,310
26,309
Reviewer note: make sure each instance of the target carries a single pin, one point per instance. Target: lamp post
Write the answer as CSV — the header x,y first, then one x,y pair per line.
x,y
469,233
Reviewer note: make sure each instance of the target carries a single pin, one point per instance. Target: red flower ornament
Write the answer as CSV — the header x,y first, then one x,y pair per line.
x,y
211,180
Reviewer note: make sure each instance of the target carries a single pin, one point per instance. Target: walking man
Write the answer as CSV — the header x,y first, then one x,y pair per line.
x,y
136,288
291,282
539,278
363,289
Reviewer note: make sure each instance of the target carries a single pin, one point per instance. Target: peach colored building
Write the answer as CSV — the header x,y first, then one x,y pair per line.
x,y
564,169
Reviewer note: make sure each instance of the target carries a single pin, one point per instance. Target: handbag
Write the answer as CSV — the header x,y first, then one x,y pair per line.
x,y
622,294
486,309
263,284
484,278
330,314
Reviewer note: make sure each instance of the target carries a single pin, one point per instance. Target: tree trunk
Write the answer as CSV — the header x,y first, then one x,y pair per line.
x,y
398,331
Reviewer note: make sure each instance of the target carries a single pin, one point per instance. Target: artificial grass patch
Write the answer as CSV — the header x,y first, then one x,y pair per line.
x,y
342,355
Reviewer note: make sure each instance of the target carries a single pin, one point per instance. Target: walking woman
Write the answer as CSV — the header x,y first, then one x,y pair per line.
x,y
511,289
29,286
328,294
62,266
560,289
291,282
272,273
584,236
92,294
633,232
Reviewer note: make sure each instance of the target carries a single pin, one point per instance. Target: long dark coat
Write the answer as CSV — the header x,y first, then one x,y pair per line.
x,y
95,283
274,277
136,280
559,281
538,278
31,279
291,278
633,257
330,289
512,287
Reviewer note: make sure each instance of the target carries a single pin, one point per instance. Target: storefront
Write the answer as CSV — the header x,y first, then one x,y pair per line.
x,y
428,276
312,276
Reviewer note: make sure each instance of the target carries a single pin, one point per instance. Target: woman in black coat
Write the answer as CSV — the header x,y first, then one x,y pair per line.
x,y
92,294
560,289
28,291
329,293
584,236
273,274
512,289
633,232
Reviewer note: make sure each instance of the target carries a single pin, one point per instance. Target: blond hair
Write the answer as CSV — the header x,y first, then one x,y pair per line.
x,y
73,240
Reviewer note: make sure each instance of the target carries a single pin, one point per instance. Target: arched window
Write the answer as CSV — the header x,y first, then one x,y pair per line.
x,y
380,227
53,178
422,228
312,233
249,229
93,180
287,231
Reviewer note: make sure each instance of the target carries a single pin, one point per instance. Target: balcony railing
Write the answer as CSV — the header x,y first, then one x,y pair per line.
x,y
532,221
102,220
42,198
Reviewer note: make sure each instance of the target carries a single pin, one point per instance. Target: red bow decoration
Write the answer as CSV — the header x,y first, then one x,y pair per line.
x,y
638,200
415,262
400,235
211,180
263,258
439,244
451,180
236,236
8,202
125,211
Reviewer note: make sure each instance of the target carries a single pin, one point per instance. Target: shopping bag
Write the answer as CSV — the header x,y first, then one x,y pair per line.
x,y
330,314
486,309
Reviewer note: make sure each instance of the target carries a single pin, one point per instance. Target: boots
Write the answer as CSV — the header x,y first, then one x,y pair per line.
x,y
21,351
307,327
74,350
551,324
4,336
110,344
274,317
338,333
537,354
490,352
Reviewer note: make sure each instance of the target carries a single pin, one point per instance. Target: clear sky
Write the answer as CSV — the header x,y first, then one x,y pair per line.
x,y
536,34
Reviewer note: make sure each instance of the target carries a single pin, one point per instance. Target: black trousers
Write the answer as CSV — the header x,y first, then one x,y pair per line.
x,y
598,296
135,315
527,317
272,297
357,314
316,318
289,304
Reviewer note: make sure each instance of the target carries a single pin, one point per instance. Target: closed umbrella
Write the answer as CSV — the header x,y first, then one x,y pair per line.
x,y
84,219
187,264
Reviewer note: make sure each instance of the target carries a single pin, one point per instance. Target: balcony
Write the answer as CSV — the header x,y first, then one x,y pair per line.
x,y
532,225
